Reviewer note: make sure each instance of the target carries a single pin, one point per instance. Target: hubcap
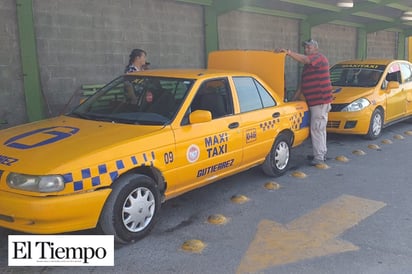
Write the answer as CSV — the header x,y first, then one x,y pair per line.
x,y
377,125
138,209
281,155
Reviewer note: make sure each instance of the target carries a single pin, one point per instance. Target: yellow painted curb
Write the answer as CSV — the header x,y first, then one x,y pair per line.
x,y
342,158
358,152
386,141
272,186
239,199
194,245
299,174
217,219
373,146
398,137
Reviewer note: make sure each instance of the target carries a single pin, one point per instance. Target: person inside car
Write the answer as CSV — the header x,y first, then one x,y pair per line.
x,y
137,62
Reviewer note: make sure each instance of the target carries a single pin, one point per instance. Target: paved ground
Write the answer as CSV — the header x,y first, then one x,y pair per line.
x,y
353,217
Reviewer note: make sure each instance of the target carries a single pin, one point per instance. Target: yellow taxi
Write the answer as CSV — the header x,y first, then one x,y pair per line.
x,y
369,95
146,137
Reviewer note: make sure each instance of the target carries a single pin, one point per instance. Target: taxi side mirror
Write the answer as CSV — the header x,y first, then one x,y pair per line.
x,y
200,116
392,85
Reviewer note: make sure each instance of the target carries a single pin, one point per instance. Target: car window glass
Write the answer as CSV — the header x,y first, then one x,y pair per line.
x,y
267,100
251,94
135,99
214,96
356,75
406,73
394,73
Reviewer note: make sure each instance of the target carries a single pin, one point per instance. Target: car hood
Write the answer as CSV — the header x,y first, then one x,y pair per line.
x,y
343,95
57,144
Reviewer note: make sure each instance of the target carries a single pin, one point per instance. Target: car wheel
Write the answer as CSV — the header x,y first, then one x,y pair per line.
x,y
131,208
375,125
277,161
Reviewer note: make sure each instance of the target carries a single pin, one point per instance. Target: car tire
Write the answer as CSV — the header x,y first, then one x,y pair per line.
x,y
375,125
131,208
278,159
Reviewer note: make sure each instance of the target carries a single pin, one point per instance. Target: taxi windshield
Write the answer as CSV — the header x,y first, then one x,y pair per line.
x,y
355,75
135,99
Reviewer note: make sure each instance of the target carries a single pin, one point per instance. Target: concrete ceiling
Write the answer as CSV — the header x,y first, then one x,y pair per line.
x,y
370,15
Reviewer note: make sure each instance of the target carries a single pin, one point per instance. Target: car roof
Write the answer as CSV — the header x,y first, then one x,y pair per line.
x,y
369,61
264,65
191,73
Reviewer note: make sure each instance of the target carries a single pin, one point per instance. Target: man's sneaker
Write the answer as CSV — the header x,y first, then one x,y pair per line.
x,y
316,162
311,157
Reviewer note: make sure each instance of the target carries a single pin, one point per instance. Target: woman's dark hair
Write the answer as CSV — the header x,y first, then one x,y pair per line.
x,y
135,53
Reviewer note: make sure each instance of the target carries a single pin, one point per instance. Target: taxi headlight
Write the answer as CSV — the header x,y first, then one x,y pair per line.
x,y
357,105
47,183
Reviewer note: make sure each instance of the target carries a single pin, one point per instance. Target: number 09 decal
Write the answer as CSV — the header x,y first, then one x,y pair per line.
x,y
168,157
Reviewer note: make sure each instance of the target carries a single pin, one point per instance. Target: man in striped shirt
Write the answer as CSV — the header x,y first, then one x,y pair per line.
x,y
316,87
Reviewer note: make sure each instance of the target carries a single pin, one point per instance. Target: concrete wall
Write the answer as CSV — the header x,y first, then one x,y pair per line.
x,y
382,44
336,42
87,42
12,102
242,30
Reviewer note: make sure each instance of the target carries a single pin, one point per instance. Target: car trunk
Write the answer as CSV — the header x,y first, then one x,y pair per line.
x,y
267,65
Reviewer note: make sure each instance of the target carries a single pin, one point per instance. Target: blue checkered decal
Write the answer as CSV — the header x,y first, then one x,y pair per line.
x,y
300,120
90,177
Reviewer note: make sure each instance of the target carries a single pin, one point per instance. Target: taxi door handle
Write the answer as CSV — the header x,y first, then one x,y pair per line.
x,y
276,115
234,125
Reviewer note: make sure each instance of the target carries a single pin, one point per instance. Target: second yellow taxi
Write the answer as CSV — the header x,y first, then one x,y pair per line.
x,y
369,95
